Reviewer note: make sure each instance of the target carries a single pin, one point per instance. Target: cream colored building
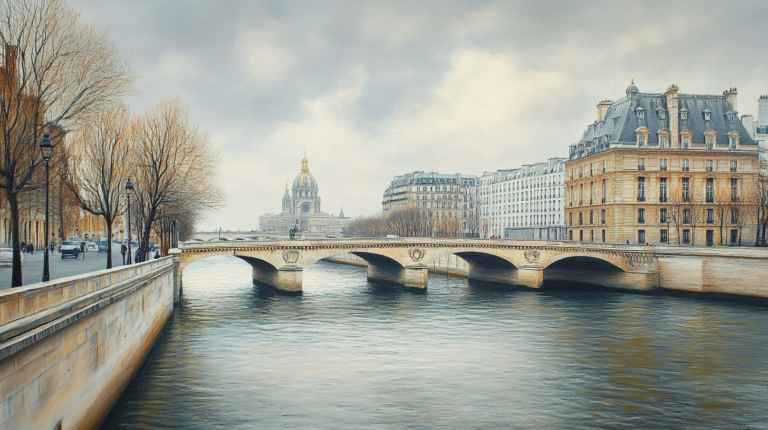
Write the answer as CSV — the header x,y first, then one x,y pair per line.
x,y
663,169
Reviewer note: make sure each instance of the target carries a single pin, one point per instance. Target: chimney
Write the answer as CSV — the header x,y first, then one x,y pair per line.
x,y
673,108
730,95
762,110
602,109
749,123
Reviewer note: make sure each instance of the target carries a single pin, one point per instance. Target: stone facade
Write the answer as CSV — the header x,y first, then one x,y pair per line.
x,y
437,195
524,203
758,128
68,348
663,169
302,207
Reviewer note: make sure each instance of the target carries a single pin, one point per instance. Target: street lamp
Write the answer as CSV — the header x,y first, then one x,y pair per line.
x,y
174,242
46,150
128,190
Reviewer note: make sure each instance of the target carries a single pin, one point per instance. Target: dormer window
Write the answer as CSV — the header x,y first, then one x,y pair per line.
x,y
640,113
707,115
661,113
683,113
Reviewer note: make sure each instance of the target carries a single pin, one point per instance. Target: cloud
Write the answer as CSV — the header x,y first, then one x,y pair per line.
x,y
266,53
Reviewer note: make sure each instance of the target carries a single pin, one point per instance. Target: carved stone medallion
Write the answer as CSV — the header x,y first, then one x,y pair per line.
x,y
532,255
290,257
416,253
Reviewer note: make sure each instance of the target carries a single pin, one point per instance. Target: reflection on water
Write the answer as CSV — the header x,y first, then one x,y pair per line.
x,y
351,354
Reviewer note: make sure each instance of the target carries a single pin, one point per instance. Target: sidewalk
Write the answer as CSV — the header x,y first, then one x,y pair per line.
x,y
32,268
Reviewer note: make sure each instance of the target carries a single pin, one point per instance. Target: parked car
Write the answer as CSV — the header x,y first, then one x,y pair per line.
x,y
69,248
91,246
103,246
6,256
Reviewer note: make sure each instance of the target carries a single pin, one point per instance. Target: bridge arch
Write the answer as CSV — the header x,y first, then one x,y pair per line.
x,y
596,269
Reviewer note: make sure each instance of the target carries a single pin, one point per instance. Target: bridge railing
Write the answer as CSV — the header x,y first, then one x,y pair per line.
x,y
403,240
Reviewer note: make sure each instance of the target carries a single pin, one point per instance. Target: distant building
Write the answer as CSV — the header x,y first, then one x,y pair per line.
x,y
524,203
662,169
758,129
437,195
302,207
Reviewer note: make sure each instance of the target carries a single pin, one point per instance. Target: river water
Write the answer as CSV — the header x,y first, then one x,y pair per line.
x,y
348,354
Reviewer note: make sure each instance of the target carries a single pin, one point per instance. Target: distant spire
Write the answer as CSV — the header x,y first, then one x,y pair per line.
x,y
305,162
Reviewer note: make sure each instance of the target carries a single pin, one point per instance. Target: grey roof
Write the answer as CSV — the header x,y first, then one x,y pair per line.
x,y
419,177
621,121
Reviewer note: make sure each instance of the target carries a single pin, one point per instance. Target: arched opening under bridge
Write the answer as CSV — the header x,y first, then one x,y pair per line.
x,y
574,271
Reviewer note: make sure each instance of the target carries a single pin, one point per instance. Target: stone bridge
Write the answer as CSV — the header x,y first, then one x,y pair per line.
x,y
405,260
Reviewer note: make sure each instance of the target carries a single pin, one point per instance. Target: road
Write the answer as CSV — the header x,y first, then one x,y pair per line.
x,y
33,266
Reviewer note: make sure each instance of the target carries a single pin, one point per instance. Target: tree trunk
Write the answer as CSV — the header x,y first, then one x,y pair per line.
x,y
13,206
109,243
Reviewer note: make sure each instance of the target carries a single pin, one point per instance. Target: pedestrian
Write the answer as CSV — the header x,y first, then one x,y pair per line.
x,y
31,249
136,257
627,241
52,246
82,249
123,250
23,246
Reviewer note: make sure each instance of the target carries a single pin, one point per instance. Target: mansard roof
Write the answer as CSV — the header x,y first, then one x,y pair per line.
x,y
621,121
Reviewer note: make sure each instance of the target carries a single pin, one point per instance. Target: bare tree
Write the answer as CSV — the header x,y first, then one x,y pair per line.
x,y
57,72
97,166
722,202
677,205
175,164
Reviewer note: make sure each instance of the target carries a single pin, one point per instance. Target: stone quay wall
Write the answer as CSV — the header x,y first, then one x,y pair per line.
x,y
69,347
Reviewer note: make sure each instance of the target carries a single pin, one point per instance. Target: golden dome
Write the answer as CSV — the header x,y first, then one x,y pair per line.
x,y
304,179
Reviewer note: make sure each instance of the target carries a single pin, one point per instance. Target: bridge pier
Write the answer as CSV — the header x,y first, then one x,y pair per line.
x,y
286,280
525,276
409,277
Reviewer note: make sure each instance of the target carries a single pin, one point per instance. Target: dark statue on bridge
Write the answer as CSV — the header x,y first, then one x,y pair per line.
x,y
295,233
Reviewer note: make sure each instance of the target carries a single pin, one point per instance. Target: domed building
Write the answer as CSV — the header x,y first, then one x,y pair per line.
x,y
301,206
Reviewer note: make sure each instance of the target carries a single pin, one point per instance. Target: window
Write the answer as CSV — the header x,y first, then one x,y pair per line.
x,y
570,235
602,216
686,216
707,115
686,142
710,143
734,236
641,140
710,216
603,235
663,164
734,166
581,171
604,163
641,237
591,220
686,165
686,189
663,142
570,218
710,165
663,190
640,113
663,238
581,235
734,190
733,143
683,113
641,216
710,190
686,236
640,189
641,164
605,190
590,170
581,218
663,216
734,216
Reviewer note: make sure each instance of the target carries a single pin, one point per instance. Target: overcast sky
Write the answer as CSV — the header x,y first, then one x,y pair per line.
x,y
377,89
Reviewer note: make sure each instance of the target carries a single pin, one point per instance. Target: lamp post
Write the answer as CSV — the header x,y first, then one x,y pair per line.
x,y
46,150
128,190
174,241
